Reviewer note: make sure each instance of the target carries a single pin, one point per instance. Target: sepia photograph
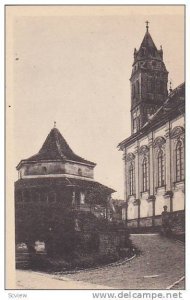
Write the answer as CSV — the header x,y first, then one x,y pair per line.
x,y
95,147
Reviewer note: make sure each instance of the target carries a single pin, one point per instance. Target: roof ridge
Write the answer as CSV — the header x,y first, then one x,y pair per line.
x,y
55,147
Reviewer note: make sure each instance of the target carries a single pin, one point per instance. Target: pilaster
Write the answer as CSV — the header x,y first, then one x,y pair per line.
x,y
137,190
125,174
151,164
168,157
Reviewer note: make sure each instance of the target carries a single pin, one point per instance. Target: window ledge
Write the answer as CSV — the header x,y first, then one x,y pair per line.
x,y
160,188
179,183
145,192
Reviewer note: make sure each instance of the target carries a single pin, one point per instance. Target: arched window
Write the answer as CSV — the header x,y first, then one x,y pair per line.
x,y
145,174
179,161
131,179
161,168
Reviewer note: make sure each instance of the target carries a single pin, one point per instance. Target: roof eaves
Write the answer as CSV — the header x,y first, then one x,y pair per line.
x,y
86,162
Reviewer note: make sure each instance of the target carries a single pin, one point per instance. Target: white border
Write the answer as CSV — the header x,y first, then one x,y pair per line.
x,y
5,294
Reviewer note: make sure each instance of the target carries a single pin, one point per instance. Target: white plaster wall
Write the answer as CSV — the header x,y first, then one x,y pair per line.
x,y
130,211
159,132
178,200
177,122
160,201
56,168
135,211
73,169
144,208
150,209
131,148
143,141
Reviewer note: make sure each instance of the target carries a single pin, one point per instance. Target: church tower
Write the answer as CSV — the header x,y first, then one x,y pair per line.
x,y
148,82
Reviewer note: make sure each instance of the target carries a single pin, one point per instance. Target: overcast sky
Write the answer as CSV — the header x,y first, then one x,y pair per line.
x,y
72,65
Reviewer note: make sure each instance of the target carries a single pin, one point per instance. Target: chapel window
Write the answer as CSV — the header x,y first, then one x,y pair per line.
x,y
161,169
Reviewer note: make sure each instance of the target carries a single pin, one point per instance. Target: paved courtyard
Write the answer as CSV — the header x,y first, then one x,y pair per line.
x,y
159,266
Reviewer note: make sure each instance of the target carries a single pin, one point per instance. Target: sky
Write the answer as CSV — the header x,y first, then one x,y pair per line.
x,y
72,65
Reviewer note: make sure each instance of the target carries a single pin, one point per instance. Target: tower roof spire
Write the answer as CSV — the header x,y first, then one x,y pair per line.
x,y
148,49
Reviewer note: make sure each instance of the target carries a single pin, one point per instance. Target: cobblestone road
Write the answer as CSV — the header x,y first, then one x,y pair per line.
x,y
160,264
161,258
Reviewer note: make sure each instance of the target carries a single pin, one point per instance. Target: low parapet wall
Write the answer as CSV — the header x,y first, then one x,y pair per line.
x,y
154,224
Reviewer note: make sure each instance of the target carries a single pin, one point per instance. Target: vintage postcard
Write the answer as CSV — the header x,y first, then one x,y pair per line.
x,y
95,133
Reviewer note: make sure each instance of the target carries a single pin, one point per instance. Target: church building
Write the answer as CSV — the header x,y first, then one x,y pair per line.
x,y
154,153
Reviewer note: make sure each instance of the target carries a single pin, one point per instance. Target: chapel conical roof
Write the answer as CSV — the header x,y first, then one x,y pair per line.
x,y
54,148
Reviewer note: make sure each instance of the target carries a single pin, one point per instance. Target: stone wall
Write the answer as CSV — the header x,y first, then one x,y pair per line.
x,y
112,241
177,220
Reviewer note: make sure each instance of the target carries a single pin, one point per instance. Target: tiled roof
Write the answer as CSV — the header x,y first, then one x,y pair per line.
x,y
175,98
174,105
61,181
54,148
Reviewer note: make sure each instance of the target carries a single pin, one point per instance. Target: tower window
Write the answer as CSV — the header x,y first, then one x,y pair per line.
x,y
179,161
138,87
161,177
